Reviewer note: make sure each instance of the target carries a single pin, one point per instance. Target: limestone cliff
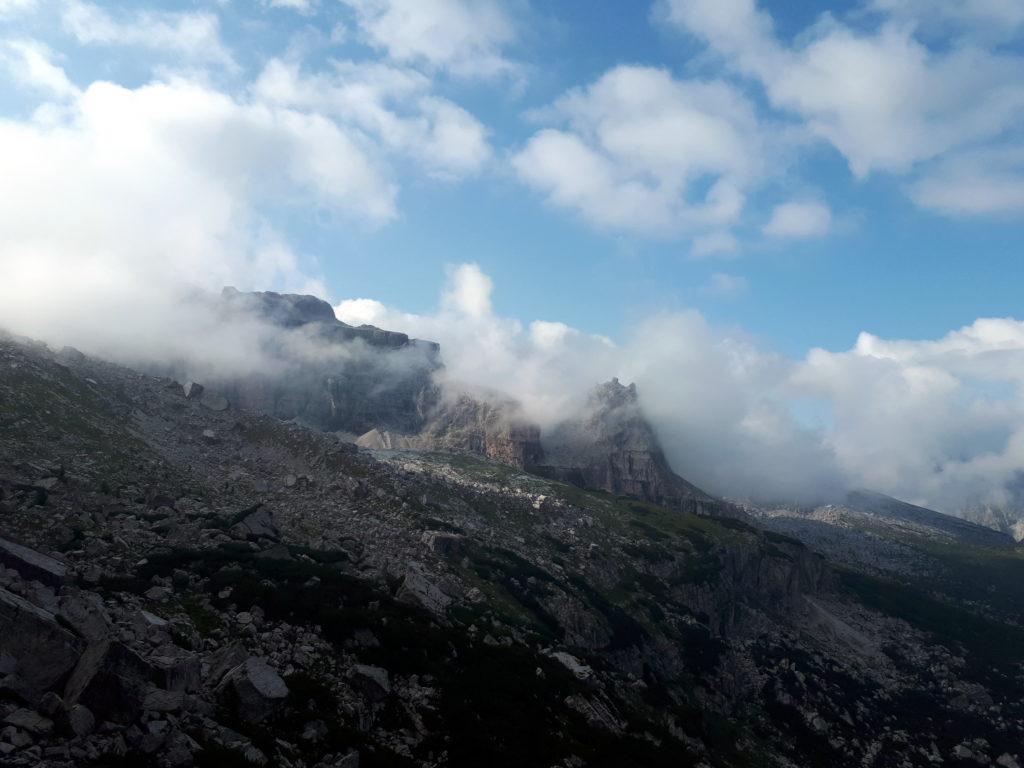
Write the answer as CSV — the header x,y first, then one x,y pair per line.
x,y
610,446
333,376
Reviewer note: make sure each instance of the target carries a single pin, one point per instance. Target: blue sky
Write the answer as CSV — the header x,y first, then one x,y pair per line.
x,y
886,264
741,205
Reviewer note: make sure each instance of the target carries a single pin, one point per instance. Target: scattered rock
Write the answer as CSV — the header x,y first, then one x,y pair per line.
x,y
254,689
33,565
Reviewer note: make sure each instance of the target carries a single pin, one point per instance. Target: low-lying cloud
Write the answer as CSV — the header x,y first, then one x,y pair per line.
x,y
940,423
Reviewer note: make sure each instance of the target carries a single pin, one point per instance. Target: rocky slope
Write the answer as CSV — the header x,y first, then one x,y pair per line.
x,y
185,583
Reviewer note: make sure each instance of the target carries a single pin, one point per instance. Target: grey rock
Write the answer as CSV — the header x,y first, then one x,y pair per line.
x,y
111,680
418,589
79,720
85,614
30,721
259,523
254,689
192,390
43,651
373,682
33,565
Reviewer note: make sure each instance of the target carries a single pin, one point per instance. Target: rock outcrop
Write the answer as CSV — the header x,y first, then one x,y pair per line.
x,y
611,447
331,375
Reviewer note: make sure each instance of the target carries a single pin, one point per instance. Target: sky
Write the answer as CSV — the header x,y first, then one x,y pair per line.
x,y
745,206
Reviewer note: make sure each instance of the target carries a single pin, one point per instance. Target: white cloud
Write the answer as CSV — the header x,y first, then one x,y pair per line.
x,y
724,285
125,199
940,422
882,97
640,151
301,6
980,182
394,105
31,64
193,35
799,219
722,244
716,400
464,37
995,18
12,7
936,422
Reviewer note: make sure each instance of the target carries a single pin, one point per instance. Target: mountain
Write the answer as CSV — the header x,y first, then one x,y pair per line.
x,y
186,583
610,446
331,375
384,393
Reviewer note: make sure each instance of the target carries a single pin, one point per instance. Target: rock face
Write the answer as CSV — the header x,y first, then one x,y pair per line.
x,y
611,447
40,653
333,376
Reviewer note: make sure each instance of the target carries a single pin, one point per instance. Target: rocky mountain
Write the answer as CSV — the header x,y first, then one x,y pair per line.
x,y
331,375
188,583
610,446
379,385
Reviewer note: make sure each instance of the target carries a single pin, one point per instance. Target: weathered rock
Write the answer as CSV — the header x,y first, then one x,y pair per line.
x,y
445,544
30,721
253,689
192,390
373,682
111,680
85,614
78,721
259,523
32,565
41,652
214,401
418,589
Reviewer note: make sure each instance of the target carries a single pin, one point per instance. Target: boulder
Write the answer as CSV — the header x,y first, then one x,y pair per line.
x,y
253,689
37,652
85,614
444,544
258,523
214,401
372,682
111,680
192,390
32,565
30,721
79,720
418,589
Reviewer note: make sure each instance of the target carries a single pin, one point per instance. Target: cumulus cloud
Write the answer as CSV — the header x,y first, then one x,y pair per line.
x,y
126,199
883,98
394,105
799,219
938,423
464,37
193,35
935,422
31,63
641,151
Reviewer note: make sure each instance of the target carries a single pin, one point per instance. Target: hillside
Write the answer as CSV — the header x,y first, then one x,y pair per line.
x,y
211,587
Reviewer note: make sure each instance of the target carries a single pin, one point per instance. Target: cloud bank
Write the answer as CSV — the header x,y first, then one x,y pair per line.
x,y
939,423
